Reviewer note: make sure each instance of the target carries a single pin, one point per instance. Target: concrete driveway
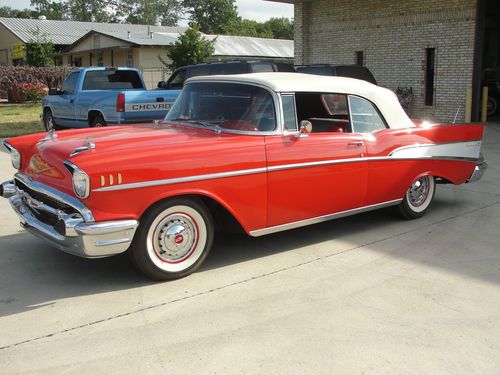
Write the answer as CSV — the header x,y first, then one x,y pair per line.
x,y
366,294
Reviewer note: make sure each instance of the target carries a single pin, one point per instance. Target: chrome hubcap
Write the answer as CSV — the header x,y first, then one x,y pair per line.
x,y
175,238
419,191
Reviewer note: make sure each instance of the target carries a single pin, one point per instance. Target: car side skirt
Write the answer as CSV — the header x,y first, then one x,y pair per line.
x,y
320,219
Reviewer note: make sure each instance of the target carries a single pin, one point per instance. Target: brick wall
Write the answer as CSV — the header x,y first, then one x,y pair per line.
x,y
394,35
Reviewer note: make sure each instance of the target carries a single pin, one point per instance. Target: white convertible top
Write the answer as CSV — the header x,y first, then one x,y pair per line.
x,y
385,99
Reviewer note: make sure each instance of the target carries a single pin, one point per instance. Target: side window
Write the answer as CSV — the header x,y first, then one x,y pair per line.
x,y
262,68
365,116
69,85
177,80
328,113
290,116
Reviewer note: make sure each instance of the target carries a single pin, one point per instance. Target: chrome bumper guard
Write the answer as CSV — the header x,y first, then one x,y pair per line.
x,y
70,233
478,172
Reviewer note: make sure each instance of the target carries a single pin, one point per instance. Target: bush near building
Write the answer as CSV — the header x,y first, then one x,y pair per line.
x,y
26,83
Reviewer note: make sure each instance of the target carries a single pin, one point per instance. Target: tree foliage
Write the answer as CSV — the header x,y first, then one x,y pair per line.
x,y
280,27
191,48
7,11
148,12
53,10
212,16
40,51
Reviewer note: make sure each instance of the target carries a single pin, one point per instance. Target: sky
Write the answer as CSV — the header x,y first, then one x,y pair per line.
x,y
258,10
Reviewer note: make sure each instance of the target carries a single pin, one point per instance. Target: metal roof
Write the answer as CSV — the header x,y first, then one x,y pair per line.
x,y
225,45
68,32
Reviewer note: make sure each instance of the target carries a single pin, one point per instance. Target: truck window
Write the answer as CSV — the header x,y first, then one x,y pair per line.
x,y
177,80
262,67
112,80
228,69
69,85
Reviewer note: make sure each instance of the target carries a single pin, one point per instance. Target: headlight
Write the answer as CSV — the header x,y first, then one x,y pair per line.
x,y
81,183
15,158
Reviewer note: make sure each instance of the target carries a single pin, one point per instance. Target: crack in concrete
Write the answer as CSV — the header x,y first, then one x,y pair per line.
x,y
206,292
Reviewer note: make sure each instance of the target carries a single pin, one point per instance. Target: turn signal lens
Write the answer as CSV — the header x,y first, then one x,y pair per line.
x,y
81,184
15,158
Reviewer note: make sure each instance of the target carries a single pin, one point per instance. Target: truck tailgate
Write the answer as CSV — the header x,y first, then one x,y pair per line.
x,y
148,105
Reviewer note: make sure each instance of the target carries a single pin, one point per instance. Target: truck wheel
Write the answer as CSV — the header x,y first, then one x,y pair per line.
x,y
98,122
492,106
173,239
48,121
418,198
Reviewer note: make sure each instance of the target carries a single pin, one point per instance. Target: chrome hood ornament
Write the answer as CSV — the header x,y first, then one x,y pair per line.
x,y
51,135
89,146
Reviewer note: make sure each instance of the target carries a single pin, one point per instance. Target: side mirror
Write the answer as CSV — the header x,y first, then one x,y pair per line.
x,y
304,129
162,85
53,92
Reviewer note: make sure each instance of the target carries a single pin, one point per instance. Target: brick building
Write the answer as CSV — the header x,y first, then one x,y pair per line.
x,y
436,47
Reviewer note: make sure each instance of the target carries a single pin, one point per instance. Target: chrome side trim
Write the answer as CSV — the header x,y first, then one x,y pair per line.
x,y
178,180
320,219
57,195
273,168
89,146
466,149
6,147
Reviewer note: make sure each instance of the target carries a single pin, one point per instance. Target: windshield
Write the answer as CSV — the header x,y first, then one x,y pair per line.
x,y
222,106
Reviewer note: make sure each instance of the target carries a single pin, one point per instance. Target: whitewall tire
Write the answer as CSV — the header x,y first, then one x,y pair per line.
x,y
173,239
418,198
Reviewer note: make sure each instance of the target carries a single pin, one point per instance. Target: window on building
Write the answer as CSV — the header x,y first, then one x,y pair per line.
x,y
77,61
430,66
97,42
100,58
130,57
360,58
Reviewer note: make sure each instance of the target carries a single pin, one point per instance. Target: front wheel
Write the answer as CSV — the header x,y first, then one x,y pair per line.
x,y
418,198
48,121
173,239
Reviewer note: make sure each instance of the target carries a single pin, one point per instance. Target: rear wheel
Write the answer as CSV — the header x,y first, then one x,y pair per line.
x,y
492,106
173,239
418,198
98,122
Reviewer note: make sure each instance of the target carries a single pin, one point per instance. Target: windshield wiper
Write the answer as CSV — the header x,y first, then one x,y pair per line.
x,y
205,124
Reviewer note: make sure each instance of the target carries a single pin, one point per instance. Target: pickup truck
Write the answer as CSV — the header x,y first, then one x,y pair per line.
x,y
95,97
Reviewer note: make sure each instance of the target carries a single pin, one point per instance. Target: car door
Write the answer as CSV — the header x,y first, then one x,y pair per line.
x,y
315,174
63,107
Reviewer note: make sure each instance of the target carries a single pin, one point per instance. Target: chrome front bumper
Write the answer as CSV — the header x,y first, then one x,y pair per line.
x,y
478,172
71,233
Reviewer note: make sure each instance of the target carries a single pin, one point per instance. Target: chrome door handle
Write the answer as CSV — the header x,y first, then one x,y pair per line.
x,y
355,144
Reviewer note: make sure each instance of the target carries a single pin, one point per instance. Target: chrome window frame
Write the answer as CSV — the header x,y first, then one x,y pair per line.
x,y
376,109
277,110
284,130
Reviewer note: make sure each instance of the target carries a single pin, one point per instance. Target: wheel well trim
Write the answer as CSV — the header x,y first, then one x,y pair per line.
x,y
202,194
95,110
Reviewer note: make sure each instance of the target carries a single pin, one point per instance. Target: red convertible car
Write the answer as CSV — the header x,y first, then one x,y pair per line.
x,y
263,152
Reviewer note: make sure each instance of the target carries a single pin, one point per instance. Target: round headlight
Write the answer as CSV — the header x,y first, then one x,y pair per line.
x,y
15,158
81,184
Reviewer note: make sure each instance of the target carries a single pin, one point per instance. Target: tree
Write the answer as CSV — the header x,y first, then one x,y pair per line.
x,y
40,51
212,16
148,12
53,10
280,27
7,11
191,48
244,27
90,10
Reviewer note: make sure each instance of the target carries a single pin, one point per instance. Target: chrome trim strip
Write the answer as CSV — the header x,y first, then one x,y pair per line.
x,y
57,195
178,180
274,168
89,146
462,149
6,147
320,219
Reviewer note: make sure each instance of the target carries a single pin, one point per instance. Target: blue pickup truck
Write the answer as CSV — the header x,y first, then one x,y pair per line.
x,y
94,97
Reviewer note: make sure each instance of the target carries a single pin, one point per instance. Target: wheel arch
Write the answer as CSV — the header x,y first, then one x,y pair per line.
x,y
93,114
225,218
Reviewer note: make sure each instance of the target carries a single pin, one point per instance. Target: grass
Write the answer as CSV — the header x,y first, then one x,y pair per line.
x,y
19,119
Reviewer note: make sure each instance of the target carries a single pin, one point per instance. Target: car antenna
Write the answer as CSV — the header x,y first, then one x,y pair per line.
x,y
456,115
